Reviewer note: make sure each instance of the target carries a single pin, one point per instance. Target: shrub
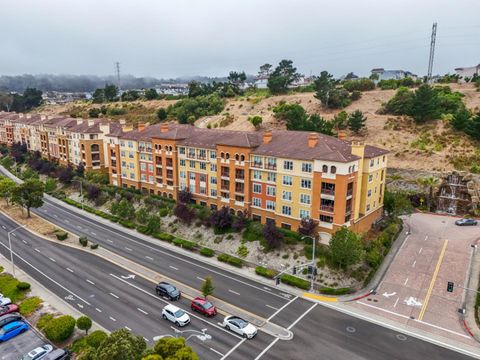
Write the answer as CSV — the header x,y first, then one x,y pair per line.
x,y
94,246
23,286
232,260
189,245
295,281
61,235
60,328
127,223
331,291
253,232
30,305
84,323
83,240
96,338
207,252
164,237
374,257
263,271
163,212
1,269
242,251
44,320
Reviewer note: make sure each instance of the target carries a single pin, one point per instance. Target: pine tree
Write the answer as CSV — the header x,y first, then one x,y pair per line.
x,y
207,287
356,121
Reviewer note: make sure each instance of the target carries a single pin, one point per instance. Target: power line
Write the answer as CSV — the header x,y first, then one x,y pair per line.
x,y
117,73
432,52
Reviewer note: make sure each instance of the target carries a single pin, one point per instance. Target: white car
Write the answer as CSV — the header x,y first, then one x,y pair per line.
x,y
239,326
175,315
38,353
5,301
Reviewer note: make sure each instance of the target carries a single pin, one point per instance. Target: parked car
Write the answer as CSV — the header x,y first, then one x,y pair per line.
x,y
58,354
7,309
466,222
13,329
5,301
203,306
175,315
8,318
239,326
38,353
168,290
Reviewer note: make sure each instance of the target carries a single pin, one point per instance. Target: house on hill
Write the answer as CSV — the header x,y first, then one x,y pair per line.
x,y
392,74
467,72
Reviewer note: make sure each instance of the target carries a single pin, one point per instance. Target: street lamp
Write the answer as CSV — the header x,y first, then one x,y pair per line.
x,y
10,246
81,190
200,335
313,258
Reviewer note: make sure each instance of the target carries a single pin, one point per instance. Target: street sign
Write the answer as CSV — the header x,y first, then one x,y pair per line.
x,y
450,286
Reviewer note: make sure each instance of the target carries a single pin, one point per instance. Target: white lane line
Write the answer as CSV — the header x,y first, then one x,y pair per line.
x,y
94,234
291,326
67,221
426,237
79,227
405,283
68,269
413,265
233,349
142,311
52,259
13,234
37,250
127,248
3,227
173,267
149,258
113,319
110,241
216,352
266,288
420,251
126,327
233,292
146,339
24,242
283,307
90,282
201,279
115,296
271,307
80,306
55,216
396,302
98,309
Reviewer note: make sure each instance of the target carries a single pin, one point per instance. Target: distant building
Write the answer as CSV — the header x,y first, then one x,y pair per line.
x,y
392,74
261,82
467,72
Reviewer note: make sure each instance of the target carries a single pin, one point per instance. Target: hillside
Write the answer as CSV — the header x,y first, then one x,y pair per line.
x,y
432,146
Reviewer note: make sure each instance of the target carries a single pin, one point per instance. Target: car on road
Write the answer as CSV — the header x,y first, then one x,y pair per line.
x,y
175,315
7,309
13,329
203,306
167,290
8,318
58,354
466,222
38,353
239,326
5,301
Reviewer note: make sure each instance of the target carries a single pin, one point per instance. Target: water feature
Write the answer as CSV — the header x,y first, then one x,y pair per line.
x,y
453,196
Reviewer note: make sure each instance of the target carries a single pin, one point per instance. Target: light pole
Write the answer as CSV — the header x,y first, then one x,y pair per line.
x,y
10,246
313,258
81,190
200,335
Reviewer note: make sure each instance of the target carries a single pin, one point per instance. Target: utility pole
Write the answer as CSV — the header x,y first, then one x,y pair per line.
x,y
432,53
117,73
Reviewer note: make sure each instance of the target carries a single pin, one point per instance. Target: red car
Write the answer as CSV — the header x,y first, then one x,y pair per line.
x,y
7,309
203,306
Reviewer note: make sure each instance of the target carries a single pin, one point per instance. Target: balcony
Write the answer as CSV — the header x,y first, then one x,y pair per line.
x,y
326,208
258,165
349,192
271,166
328,192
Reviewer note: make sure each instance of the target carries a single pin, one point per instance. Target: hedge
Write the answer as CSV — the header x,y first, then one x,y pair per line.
x,y
207,252
83,240
189,245
23,286
163,212
263,271
96,338
29,305
60,328
94,246
164,237
61,235
232,260
127,223
295,281
332,291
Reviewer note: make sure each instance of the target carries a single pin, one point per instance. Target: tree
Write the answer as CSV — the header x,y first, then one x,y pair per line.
x,y
265,70
110,92
237,78
324,84
430,182
473,127
340,121
356,121
185,196
93,192
221,219
151,94
94,113
29,194
120,345
32,98
60,328
123,209
272,235
162,114
184,213
425,104
66,174
98,96
255,121
6,101
346,248
130,95
80,170
84,323
174,348
308,227
397,203
283,76
297,119
240,221
401,103
207,287
7,187
461,119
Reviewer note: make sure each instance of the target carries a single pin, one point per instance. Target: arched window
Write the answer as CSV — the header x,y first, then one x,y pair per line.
x,y
227,156
237,157
324,168
333,169
242,158
94,147
83,147
222,155
353,168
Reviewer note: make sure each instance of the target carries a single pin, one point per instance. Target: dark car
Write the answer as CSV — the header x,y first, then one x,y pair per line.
x,y
466,222
167,290
58,354
203,306
7,309
8,318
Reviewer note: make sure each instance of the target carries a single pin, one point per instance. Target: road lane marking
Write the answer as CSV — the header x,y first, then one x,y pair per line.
x,y
37,250
52,259
110,241
233,349
271,307
113,319
283,307
90,282
149,258
216,352
173,267
146,339
320,297
80,306
115,296
233,292
67,221
413,265
98,310
94,234
127,248
55,216
432,282
68,269
126,327
396,302
426,237
201,279
24,242
4,228
79,227
142,311
420,251
405,283
13,234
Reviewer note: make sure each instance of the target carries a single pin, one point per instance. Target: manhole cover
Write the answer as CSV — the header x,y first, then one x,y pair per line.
x,y
401,337
351,329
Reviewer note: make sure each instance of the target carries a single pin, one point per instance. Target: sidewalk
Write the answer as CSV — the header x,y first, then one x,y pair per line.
x,y
468,318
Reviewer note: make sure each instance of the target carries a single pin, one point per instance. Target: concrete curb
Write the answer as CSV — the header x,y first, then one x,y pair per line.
x,y
468,318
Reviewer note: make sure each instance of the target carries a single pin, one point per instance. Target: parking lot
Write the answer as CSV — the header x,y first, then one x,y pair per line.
x,y
414,289
18,346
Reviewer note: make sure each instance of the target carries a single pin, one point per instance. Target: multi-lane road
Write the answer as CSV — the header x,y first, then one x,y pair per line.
x,y
103,291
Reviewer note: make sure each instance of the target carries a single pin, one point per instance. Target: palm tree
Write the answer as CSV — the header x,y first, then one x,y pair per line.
x,y
430,182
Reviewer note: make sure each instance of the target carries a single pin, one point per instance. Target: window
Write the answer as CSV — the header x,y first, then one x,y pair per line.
x,y
122,153
369,193
286,226
270,205
130,144
182,174
257,188
287,195
131,165
213,154
372,162
383,173
213,192
286,210
325,218
271,190
150,178
124,164
192,176
202,154
203,166
271,177
213,180
370,178
181,150
130,155
287,165
257,202
304,199
307,167
182,162
304,214
257,175
383,159
227,156
192,164
213,167
325,168
132,176
333,169
306,184
287,180
368,207
257,161
271,163
150,167
143,166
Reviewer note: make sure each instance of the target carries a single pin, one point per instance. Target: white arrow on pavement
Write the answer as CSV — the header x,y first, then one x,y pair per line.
x,y
130,276
388,295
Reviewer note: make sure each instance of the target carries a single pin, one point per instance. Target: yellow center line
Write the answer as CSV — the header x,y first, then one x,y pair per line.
x,y
432,282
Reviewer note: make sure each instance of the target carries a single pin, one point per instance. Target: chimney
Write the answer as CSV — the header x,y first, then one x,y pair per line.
x,y
79,121
164,128
29,116
267,137
43,117
312,140
141,126
91,122
342,135
122,121
358,148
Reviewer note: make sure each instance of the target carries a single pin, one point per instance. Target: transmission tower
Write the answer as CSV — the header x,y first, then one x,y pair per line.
x,y
432,53
117,73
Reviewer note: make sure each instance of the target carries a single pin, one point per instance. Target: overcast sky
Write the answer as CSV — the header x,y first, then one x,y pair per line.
x,y
164,38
